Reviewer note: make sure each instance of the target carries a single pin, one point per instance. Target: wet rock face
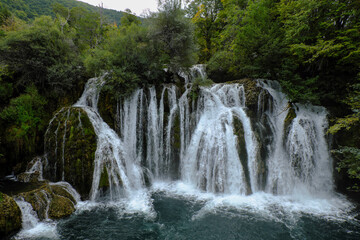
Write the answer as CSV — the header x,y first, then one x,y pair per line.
x,y
10,216
70,145
252,92
51,201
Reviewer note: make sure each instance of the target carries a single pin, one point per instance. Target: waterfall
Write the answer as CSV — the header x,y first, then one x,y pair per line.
x,y
196,71
218,139
29,217
31,226
124,173
211,160
308,153
209,140
299,160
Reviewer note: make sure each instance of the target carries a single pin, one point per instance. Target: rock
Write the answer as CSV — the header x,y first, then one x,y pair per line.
x,y
50,201
10,216
60,207
291,115
252,91
241,149
70,145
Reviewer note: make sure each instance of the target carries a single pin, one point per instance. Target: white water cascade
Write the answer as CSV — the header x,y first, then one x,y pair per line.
x,y
211,139
124,172
31,226
299,159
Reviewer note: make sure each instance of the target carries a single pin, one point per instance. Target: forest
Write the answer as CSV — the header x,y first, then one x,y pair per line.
x,y
312,47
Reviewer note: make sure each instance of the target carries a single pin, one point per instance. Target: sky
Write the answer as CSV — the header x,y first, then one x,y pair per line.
x,y
136,6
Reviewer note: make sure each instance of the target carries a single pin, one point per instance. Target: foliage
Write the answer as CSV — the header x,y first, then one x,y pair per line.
x,y
172,34
24,115
208,23
349,156
30,9
39,54
323,38
347,122
350,161
127,53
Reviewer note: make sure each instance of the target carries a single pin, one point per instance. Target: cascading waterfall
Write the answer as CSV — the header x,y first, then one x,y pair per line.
x,y
211,160
208,138
124,173
307,147
299,160
278,181
210,141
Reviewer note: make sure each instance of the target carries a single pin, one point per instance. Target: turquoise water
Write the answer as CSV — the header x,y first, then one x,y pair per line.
x,y
170,213
175,220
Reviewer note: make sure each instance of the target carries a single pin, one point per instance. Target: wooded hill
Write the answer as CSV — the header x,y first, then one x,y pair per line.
x,y
30,9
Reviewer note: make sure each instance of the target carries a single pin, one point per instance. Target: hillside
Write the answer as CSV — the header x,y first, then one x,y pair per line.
x,y
30,9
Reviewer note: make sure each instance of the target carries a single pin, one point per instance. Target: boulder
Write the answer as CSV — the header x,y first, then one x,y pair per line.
x,y
70,145
10,216
51,201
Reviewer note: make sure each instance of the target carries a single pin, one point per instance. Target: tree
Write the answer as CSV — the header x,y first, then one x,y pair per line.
x,y
208,24
129,18
42,55
323,38
172,33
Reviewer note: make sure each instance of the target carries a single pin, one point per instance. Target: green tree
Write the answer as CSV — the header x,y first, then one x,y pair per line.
x,y
205,15
128,18
39,54
172,33
323,39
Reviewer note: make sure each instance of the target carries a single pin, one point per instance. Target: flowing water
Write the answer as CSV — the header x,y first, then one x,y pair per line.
x,y
204,165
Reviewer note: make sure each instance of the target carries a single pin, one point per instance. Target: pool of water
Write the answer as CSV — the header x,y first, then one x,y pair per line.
x,y
177,212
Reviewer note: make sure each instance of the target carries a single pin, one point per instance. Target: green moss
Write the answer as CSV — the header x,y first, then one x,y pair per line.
x,y
104,179
242,151
10,216
289,118
1,197
60,207
79,154
50,200
71,133
252,91
59,190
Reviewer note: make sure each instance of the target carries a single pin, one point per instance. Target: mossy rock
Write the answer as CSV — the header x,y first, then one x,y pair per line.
x,y
10,216
60,191
70,145
104,179
241,149
50,200
291,115
60,207
252,91
38,199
